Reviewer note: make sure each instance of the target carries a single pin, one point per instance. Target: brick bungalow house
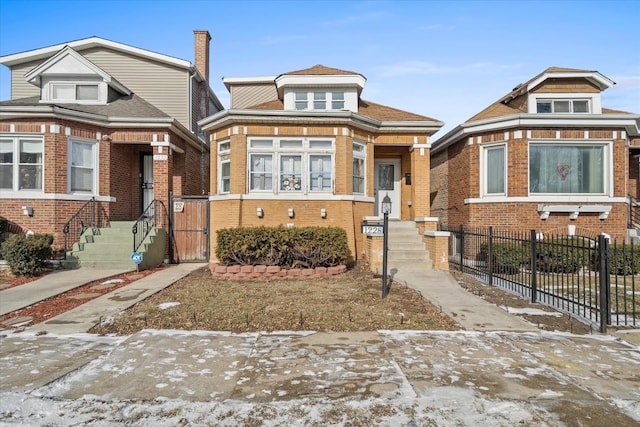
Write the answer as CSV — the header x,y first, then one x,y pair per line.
x,y
98,119
303,148
547,156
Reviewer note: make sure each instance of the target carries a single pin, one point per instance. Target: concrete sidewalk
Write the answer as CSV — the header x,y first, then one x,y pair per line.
x,y
404,378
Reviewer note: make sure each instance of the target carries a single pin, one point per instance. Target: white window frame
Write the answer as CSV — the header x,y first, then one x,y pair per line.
x,y
94,164
484,169
607,166
284,146
50,86
359,155
224,157
16,164
337,102
594,105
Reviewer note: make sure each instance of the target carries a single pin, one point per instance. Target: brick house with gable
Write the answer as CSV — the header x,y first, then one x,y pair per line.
x,y
546,156
97,119
303,148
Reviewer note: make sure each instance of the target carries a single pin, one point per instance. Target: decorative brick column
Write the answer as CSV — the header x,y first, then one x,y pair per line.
x,y
437,242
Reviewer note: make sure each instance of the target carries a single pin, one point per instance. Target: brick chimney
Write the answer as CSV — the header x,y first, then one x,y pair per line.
x,y
202,39
201,43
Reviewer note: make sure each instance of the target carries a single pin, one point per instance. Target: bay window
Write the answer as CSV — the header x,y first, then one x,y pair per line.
x,y
568,168
300,165
21,163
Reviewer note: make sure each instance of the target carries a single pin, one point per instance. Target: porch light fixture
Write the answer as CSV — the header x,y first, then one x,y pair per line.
x,y
323,213
290,212
386,205
260,212
27,210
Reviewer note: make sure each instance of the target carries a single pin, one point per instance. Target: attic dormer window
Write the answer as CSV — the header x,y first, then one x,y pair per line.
x,y
560,106
70,92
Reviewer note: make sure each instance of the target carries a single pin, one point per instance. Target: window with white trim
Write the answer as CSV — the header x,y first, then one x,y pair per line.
x,y
74,92
224,167
83,160
359,169
578,168
21,163
563,106
300,165
319,100
494,163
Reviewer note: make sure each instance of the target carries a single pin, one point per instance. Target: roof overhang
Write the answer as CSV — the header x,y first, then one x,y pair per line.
x,y
630,122
593,77
91,42
109,122
342,117
247,81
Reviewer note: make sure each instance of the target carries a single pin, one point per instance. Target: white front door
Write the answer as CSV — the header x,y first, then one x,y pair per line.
x,y
387,182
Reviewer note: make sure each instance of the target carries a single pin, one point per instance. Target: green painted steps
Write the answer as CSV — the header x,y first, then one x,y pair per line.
x,y
112,247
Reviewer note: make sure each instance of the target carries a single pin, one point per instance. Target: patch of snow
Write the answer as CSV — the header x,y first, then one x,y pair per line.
x,y
549,394
112,282
166,305
530,311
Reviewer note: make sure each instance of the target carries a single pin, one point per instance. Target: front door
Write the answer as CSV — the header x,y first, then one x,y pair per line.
x,y
146,181
387,182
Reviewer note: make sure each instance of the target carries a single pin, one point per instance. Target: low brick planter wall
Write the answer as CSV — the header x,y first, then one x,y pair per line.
x,y
262,272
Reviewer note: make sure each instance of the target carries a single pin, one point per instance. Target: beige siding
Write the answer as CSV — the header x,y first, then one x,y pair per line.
x,y
19,87
162,85
247,95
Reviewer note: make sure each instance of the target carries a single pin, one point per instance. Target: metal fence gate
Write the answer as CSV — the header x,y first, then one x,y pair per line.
x,y
189,229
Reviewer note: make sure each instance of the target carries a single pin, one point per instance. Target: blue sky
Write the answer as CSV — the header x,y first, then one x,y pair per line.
x,y
443,59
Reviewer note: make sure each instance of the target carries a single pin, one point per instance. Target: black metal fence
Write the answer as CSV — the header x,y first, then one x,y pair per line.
x,y
591,279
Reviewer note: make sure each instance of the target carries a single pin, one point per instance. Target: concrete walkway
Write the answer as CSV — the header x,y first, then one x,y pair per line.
x,y
48,286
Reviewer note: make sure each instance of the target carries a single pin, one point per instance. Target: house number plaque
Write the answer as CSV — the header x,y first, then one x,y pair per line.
x,y
178,206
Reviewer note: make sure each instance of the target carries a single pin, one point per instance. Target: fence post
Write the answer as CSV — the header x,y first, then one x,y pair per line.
x,y
461,248
605,285
534,274
490,261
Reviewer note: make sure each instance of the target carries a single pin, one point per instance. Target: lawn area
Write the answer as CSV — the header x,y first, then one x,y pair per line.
x,y
348,302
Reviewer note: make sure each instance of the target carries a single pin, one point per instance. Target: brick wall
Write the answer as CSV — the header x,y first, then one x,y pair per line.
x,y
463,166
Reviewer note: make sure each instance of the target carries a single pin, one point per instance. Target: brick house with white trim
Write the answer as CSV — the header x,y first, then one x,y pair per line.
x,y
547,156
304,149
98,119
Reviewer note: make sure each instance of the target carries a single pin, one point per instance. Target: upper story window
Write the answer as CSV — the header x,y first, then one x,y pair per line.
x,y
562,106
319,100
74,92
21,163
299,165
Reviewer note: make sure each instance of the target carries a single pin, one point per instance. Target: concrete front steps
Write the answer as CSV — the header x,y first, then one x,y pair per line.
x,y
111,247
407,250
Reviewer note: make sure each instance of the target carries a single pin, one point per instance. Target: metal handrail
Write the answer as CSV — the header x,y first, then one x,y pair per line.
x,y
634,212
89,215
155,215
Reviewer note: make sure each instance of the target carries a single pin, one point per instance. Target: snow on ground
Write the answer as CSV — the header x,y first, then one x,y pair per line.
x,y
388,378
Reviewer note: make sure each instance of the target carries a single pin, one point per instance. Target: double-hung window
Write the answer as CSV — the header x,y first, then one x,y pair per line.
x,y
494,164
82,156
300,165
224,167
359,158
301,101
578,168
337,100
21,162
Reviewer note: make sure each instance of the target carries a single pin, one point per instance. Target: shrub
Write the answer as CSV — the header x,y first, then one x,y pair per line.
x,y
563,254
306,247
27,255
623,259
505,257
4,224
